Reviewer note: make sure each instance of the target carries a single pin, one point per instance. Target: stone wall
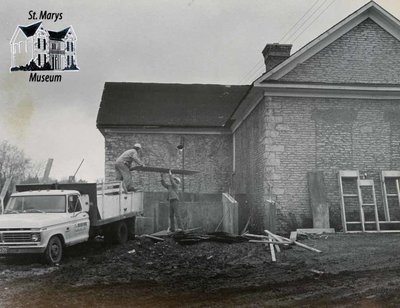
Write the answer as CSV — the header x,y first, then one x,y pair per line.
x,y
329,135
209,154
365,54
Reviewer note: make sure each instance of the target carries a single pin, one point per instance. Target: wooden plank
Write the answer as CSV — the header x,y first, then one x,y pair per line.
x,y
342,208
375,208
276,245
163,170
360,200
315,230
318,199
45,178
154,237
5,188
307,247
4,192
255,236
271,247
267,242
277,237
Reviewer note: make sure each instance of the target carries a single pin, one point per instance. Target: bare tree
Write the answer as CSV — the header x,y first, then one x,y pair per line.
x,y
13,162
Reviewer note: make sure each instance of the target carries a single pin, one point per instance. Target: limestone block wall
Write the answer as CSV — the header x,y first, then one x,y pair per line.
x,y
209,154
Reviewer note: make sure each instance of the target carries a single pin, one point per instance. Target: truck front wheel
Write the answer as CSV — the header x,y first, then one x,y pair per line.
x,y
54,251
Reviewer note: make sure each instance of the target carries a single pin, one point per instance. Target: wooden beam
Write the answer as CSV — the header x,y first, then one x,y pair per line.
x,y
271,247
163,170
4,192
306,247
49,164
267,242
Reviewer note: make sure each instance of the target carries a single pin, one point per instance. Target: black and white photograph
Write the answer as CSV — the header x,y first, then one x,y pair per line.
x,y
200,153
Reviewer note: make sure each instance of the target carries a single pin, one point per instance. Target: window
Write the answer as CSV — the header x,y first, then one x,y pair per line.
x,y
74,204
38,43
72,60
38,59
44,44
72,46
36,204
53,46
67,60
44,59
67,46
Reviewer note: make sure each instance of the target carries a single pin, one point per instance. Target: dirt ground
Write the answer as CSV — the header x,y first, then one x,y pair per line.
x,y
353,270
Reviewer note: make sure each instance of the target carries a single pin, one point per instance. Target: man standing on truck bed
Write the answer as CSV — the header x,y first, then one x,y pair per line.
x,y
123,165
173,200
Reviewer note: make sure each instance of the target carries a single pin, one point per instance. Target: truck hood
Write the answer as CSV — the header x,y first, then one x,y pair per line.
x,y
31,220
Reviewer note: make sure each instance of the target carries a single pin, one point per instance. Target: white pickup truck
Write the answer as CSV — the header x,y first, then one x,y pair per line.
x,y
43,218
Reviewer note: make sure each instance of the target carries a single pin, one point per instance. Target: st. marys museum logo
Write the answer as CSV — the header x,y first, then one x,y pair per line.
x,y
35,48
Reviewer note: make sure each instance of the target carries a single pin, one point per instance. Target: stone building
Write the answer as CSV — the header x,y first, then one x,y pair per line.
x,y
333,105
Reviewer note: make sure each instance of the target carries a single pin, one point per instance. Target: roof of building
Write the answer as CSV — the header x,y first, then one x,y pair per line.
x,y
31,29
168,105
58,35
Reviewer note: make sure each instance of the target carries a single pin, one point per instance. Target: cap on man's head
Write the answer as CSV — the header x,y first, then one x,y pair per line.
x,y
178,180
138,146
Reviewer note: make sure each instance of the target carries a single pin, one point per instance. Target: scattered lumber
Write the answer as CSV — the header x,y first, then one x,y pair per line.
x,y
277,237
267,242
291,241
158,239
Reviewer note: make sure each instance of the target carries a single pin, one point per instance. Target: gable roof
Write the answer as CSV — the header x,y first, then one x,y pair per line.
x,y
58,36
371,10
168,105
31,29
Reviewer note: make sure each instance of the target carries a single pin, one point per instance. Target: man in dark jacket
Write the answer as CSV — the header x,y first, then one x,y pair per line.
x,y
173,198
123,165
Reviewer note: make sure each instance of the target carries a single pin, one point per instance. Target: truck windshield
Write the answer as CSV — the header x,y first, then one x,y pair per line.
x,y
36,204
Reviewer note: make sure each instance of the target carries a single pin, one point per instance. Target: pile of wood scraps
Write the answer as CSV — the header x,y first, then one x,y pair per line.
x,y
275,241
191,238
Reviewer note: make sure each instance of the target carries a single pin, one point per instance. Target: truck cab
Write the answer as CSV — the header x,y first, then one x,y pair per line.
x,y
44,221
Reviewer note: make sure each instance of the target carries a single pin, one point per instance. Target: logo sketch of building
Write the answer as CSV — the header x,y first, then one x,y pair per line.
x,y
33,47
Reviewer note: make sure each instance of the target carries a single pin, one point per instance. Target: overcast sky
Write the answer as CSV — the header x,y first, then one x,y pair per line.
x,y
166,41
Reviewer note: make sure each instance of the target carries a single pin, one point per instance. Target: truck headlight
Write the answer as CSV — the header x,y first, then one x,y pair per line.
x,y
35,237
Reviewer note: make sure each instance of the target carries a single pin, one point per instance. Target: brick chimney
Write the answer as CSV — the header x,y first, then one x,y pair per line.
x,y
275,54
